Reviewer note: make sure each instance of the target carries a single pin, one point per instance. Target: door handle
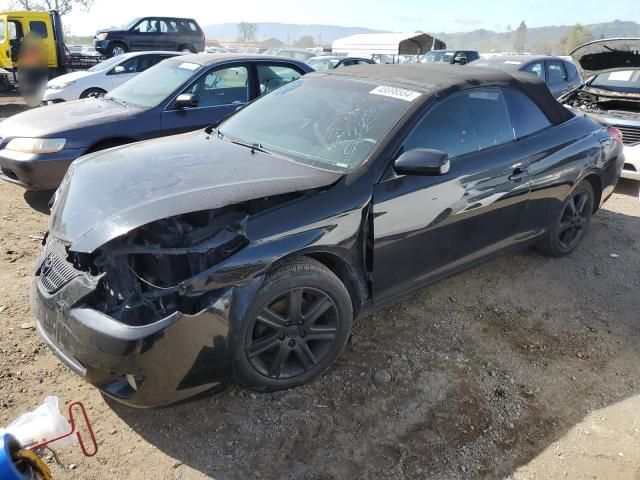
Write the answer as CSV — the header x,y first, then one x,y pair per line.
x,y
518,174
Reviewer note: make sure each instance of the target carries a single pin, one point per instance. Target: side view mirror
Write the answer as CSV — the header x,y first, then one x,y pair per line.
x,y
422,161
186,100
119,69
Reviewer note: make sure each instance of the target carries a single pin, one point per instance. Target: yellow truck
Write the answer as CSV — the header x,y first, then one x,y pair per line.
x,y
15,25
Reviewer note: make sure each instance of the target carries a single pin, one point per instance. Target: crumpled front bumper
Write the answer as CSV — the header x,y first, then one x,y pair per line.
x,y
172,359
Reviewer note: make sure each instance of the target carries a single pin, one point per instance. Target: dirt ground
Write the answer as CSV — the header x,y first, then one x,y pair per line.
x,y
524,368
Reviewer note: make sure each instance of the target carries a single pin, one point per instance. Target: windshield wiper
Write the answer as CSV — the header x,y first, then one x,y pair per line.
x,y
255,147
114,99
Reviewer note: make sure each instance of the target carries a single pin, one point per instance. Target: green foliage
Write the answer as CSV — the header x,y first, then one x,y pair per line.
x,y
578,35
541,40
520,40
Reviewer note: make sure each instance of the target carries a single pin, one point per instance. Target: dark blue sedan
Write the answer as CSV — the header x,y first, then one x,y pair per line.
x,y
177,95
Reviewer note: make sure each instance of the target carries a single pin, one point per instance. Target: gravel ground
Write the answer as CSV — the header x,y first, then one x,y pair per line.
x,y
526,367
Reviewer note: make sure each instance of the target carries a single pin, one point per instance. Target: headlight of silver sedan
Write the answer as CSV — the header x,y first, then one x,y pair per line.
x,y
36,145
59,86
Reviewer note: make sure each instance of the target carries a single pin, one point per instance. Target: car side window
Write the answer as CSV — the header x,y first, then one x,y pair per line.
x,y
222,86
572,71
463,123
555,72
129,66
272,76
38,27
536,69
526,116
146,61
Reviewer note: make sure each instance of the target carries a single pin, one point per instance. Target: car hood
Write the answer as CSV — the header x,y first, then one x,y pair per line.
x,y
109,193
110,30
607,55
61,117
70,77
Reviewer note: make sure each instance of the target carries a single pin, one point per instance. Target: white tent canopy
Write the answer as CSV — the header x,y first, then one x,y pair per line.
x,y
368,44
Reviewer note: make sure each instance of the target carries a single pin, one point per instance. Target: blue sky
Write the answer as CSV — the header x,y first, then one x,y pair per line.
x,y
397,15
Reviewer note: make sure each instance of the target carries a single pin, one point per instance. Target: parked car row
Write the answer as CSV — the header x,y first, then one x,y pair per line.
x,y
178,94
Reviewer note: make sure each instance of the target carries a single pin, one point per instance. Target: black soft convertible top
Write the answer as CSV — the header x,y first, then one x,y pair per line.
x,y
442,80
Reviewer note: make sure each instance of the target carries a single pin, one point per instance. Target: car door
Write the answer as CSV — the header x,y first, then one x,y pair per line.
x,y
426,227
557,80
219,91
167,37
145,34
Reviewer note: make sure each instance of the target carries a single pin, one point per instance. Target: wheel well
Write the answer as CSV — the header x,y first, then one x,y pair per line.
x,y
596,184
108,143
356,286
93,88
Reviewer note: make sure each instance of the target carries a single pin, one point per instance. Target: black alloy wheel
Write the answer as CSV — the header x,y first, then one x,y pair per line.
x,y
293,333
575,218
296,326
571,226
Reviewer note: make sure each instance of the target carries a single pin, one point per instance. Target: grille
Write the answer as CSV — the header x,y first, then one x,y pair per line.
x,y
630,135
55,271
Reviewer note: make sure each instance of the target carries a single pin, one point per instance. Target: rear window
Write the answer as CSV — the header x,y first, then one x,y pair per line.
x,y
526,117
38,27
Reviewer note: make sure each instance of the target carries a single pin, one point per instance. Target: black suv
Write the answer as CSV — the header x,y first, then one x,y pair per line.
x,y
151,33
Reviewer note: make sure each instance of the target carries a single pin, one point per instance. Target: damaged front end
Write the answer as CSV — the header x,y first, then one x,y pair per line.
x,y
129,316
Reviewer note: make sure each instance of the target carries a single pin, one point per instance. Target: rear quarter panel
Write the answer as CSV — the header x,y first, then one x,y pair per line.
x,y
559,159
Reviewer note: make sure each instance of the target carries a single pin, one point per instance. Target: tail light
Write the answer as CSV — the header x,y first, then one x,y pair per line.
x,y
615,133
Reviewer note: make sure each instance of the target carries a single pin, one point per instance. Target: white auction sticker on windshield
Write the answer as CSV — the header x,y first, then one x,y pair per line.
x,y
395,92
189,66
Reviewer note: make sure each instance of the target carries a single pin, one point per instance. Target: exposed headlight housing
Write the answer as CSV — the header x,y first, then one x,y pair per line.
x,y
102,36
36,145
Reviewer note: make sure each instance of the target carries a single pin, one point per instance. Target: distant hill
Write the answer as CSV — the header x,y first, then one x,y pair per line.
x,y
286,32
539,40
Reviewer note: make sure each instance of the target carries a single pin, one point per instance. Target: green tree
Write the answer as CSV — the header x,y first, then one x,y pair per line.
x,y
578,35
305,41
520,40
247,32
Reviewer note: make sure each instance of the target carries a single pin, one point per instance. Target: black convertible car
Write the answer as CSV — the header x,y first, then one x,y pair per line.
x,y
245,250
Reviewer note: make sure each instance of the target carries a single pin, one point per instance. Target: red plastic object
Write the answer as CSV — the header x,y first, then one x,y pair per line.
x,y
72,421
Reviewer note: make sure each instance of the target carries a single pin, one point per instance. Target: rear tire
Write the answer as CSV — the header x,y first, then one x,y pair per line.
x,y
116,48
295,328
93,93
187,48
569,227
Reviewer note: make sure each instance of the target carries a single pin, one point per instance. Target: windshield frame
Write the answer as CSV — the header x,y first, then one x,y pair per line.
x,y
390,136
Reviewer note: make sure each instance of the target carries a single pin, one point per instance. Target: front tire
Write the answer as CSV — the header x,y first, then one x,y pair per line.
x,y
570,226
93,93
296,327
117,48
